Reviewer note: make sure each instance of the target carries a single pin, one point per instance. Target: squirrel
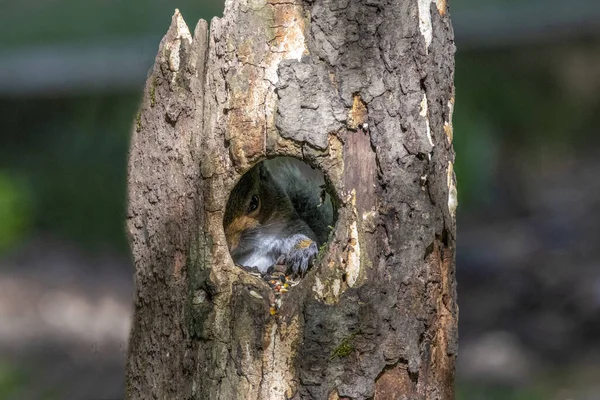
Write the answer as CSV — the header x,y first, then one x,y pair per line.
x,y
278,213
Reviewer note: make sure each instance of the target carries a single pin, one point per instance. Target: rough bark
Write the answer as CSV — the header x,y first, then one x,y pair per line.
x,y
361,89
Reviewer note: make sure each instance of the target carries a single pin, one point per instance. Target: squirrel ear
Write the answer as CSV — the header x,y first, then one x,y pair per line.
x,y
263,172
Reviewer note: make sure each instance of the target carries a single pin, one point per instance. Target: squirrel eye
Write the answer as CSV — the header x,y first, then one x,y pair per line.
x,y
253,203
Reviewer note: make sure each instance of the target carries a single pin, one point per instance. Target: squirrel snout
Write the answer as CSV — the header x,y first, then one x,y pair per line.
x,y
234,230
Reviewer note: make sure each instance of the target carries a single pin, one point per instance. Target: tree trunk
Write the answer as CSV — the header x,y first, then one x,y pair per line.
x,y
361,89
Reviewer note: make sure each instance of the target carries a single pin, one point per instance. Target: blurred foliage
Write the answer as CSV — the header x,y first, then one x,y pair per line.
x,y
11,380
15,210
14,381
580,382
73,153
37,22
517,104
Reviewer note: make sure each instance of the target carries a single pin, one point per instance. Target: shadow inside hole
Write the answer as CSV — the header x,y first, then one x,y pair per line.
x,y
278,217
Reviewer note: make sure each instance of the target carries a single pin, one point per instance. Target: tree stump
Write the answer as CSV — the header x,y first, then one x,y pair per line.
x,y
362,90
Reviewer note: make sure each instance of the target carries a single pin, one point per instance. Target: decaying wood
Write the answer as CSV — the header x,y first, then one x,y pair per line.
x,y
362,90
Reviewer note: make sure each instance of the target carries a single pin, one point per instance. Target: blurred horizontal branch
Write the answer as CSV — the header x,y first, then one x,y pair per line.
x,y
114,65
122,64
525,23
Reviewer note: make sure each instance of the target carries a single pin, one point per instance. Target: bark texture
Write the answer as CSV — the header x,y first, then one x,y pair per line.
x,y
361,89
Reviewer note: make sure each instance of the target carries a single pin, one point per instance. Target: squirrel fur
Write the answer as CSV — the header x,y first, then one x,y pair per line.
x,y
278,213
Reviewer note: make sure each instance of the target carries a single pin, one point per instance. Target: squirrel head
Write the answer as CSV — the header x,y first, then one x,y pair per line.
x,y
256,201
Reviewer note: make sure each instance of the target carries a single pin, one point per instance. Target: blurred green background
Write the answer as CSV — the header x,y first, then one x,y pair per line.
x,y
526,129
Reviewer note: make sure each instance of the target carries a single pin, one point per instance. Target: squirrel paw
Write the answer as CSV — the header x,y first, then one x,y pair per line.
x,y
301,256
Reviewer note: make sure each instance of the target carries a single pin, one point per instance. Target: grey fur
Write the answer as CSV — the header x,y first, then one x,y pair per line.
x,y
305,188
